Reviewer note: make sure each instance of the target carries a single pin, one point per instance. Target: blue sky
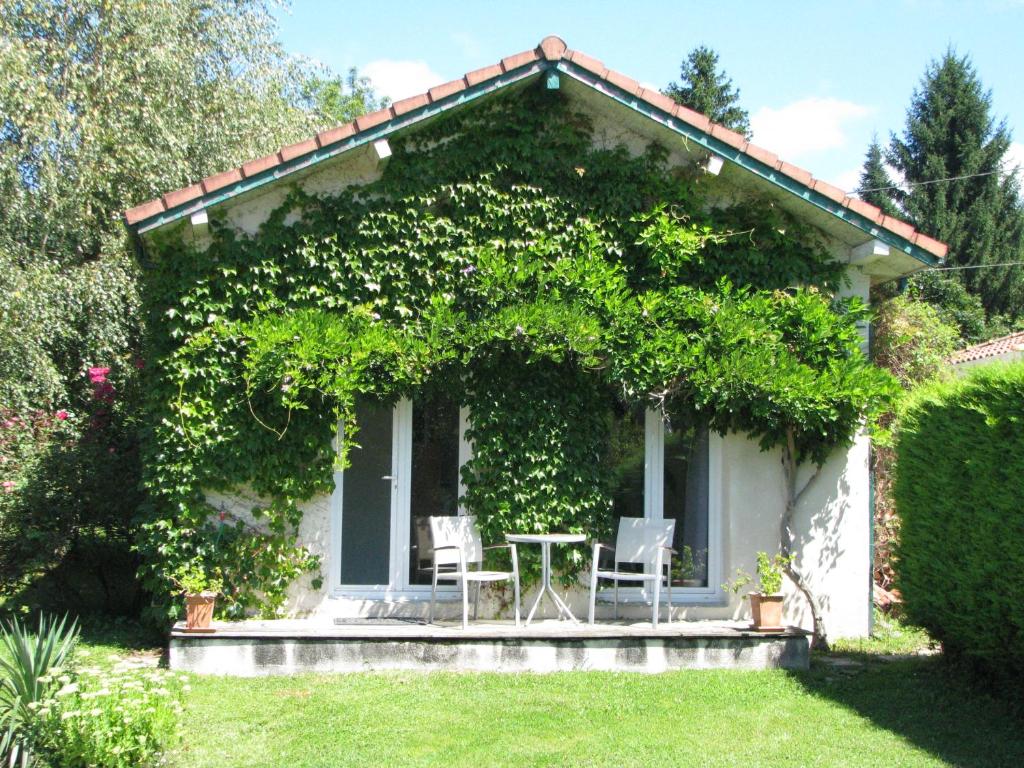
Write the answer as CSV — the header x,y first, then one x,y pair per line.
x,y
818,78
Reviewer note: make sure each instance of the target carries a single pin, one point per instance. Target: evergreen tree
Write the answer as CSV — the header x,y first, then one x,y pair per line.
x,y
875,185
705,88
950,132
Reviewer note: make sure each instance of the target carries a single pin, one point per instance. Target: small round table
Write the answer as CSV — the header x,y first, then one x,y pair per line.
x,y
546,540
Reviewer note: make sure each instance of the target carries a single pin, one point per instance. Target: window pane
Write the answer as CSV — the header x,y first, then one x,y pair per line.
x,y
435,476
686,501
366,498
626,462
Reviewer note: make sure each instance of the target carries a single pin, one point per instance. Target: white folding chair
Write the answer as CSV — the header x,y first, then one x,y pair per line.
x,y
456,548
645,542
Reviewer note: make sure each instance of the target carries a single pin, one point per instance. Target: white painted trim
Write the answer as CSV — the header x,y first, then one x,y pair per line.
x,y
401,470
200,221
654,465
337,496
465,453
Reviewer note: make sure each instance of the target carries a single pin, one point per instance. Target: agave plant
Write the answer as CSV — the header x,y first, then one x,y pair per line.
x,y
29,663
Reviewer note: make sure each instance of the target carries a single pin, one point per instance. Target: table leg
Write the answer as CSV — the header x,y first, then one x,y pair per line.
x,y
543,582
546,587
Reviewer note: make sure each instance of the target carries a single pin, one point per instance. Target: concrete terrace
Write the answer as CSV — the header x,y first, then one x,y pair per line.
x,y
251,648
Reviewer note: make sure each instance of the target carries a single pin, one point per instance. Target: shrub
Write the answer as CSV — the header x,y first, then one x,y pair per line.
x,y
117,718
960,560
29,667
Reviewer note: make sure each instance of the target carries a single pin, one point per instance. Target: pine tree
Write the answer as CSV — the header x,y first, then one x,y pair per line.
x,y
706,89
875,185
950,132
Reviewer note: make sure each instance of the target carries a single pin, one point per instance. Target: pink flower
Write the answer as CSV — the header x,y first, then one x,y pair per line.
x,y
223,516
61,415
98,375
8,486
140,363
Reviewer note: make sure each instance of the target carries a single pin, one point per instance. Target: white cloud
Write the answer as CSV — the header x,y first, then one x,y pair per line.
x,y
805,127
847,180
400,79
1015,158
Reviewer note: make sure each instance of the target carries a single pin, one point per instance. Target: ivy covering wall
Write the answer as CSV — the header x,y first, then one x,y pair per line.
x,y
510,262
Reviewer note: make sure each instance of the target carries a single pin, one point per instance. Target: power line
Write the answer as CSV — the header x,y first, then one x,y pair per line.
x,y
925,183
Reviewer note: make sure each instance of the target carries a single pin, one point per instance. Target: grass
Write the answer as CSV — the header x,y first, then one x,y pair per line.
x,y
859,709
890,636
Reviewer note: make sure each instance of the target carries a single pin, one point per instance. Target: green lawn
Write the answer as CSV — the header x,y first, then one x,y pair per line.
x,y
894,714
866,711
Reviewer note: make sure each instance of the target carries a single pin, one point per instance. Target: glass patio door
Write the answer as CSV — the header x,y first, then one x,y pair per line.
x,y
368,490
406,469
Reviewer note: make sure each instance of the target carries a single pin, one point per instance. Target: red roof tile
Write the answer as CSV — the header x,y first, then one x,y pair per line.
x,y
830,191
519,60
1003,346
483,74
221,180
551,48
261,164
588,63
333,135
182,196
297,150
408,105
444,90
364,122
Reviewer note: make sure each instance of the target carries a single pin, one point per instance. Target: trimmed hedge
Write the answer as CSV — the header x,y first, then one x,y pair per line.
x,y
959,491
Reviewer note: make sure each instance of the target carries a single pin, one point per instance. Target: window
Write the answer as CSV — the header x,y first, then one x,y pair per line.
x,y
663,471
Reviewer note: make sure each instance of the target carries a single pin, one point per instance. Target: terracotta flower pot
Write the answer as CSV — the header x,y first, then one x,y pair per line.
x,y
767,612
199,611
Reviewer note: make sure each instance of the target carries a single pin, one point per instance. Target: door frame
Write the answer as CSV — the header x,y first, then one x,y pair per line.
x,y
654,508
398,589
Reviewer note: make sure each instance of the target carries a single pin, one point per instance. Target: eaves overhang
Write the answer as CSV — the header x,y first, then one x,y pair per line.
x,y
551,56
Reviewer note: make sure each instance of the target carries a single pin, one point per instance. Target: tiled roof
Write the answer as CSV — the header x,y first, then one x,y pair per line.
x,y
552,51
1004,345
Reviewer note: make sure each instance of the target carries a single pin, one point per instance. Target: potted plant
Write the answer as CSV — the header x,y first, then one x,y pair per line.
x,y
200,589
767,602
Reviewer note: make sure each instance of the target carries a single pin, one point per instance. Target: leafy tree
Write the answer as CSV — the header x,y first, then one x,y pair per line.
x,y
951,134
102,105
911,340
705,88
336,99
875,185
956,305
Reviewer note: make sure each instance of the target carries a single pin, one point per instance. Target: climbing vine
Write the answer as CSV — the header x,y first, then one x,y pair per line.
x,y
507,259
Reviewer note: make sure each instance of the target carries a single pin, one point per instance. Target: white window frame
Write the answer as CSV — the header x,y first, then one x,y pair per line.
x,y
398,589
654,509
